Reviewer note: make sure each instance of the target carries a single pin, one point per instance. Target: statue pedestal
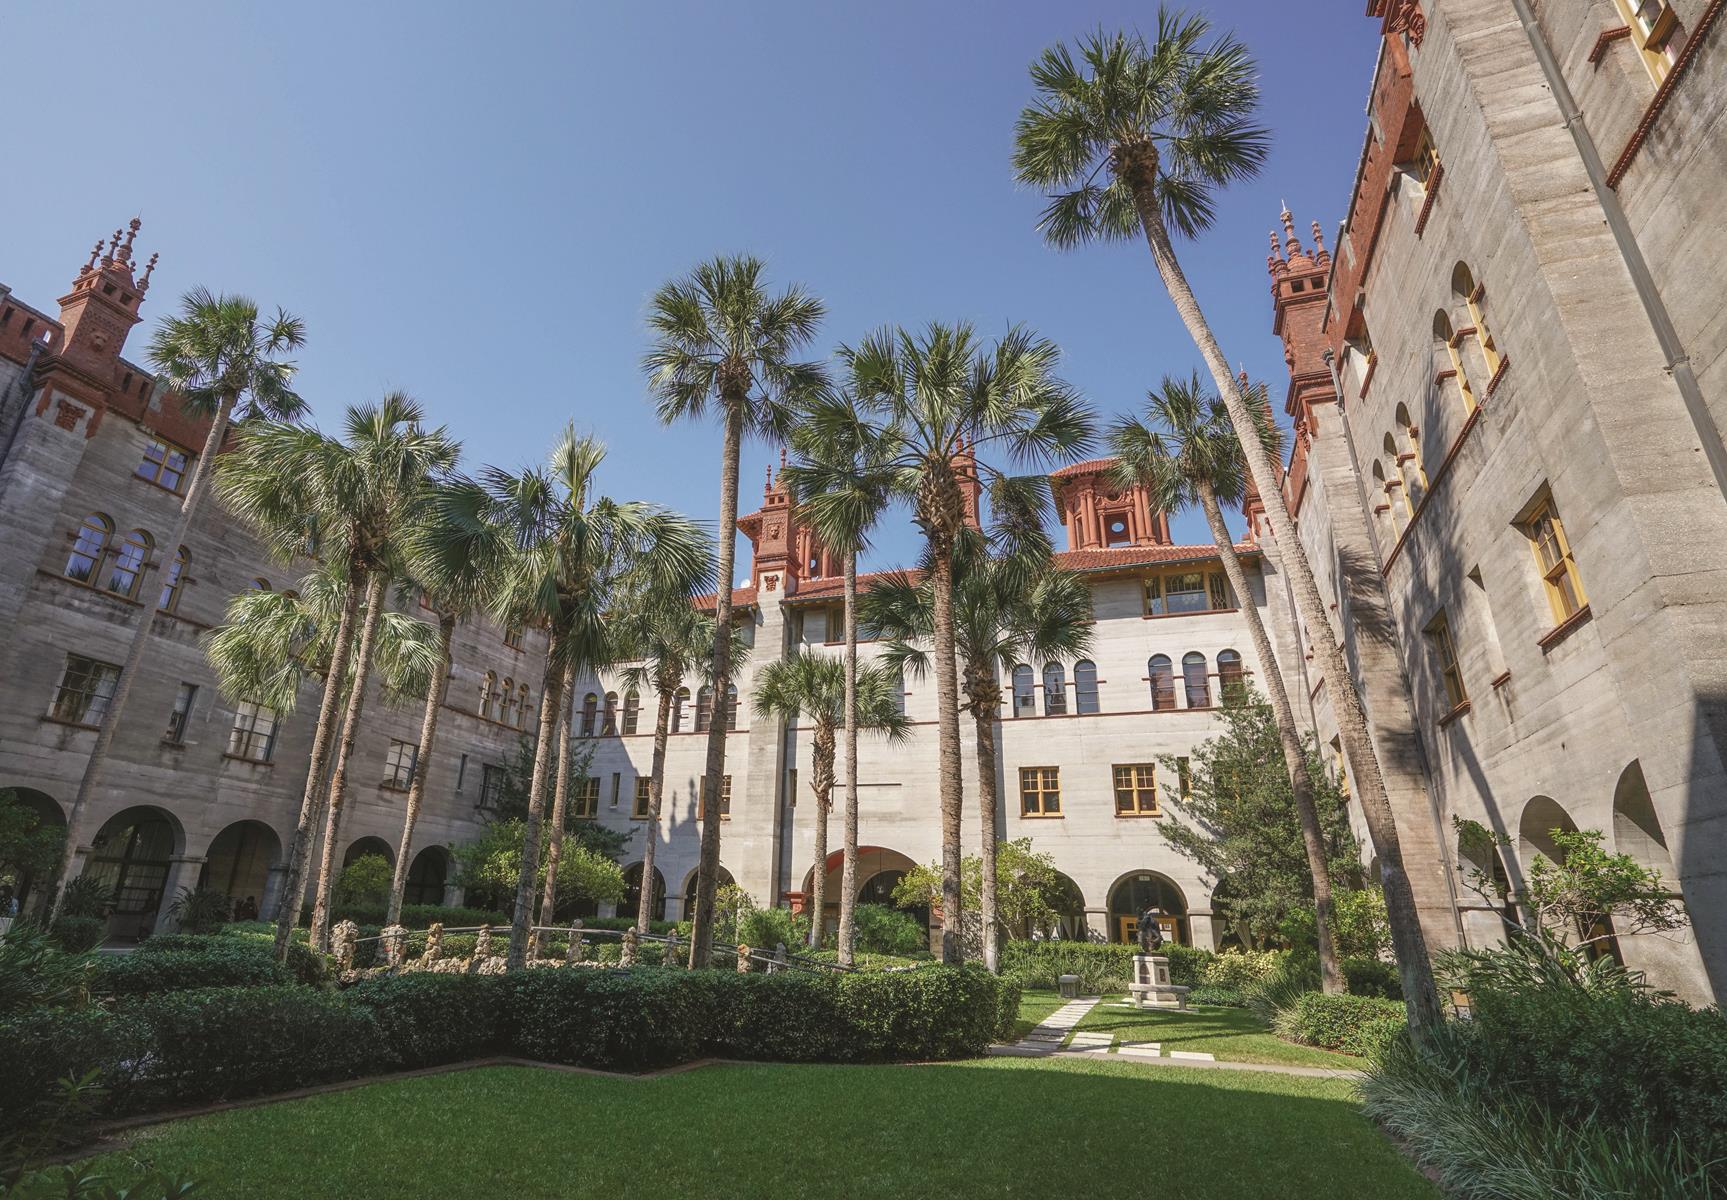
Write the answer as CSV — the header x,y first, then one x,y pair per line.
x,y
1151,987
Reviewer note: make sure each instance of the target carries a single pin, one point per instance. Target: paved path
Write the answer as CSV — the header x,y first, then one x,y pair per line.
x,y
1047,1036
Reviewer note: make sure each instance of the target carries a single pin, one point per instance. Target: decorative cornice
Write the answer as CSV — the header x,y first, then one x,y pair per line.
x,y
1665,92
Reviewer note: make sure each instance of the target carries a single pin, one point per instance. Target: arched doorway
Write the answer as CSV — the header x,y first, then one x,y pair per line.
x,y
36,848
1068,905
722,878
1139,891
238,864
130,857
632,901
369,845
1542,818
427,875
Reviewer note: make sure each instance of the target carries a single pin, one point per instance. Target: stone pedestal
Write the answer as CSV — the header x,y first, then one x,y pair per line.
x,y
1151,987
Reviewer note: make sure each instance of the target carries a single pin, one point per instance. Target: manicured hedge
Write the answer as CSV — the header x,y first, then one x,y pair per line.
x,y
425,1019
304,964
211,965
1101,966
1372,977
1352,1024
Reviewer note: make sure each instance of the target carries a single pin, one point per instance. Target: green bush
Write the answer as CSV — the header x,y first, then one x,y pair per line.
x,y
1217,995
881,929
214,965
36,973
304,964
201,910
41,1047
427,1018
638,1020
765,928
1372,977
1101,967
1353,1024
1295,976
1240,969
75,935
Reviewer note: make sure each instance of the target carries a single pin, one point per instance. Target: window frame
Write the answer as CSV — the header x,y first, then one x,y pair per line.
x,y
1444,645
89,694
641,803
1563,567
393,764
1136,790
243,733
585,799
725,798
163,465
179,717
1043,783
1214,589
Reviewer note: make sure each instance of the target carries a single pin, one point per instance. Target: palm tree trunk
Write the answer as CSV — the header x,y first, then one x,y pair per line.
x,y
320,933
551,702
560,803
656,789
949,777
707,872
1421,997
1294,757
293,895
849,834
435,689
824,794
110,721
988,800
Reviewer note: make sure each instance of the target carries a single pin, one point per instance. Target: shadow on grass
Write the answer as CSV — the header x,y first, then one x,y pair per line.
x,y
1232,1034
989,1127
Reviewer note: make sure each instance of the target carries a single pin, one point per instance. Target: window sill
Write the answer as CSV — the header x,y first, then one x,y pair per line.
x,y
1462,707
1198,612
1501,681
53,720
1025,816
1136,816
175,492
1607,38
390,786
117,597
1498,375
1564,629
1432,190
255,762
172,744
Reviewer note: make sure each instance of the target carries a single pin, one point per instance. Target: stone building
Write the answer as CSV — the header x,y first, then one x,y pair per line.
x,y
1508,387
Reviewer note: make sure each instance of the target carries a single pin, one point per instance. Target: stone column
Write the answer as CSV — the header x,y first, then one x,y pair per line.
x,y
1201,929
182,875
272,896
453,896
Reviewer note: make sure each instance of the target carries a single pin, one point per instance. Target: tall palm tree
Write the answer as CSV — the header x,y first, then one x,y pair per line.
x,y
721,341
936,399
1185,453
671,642
1169,121
814,686
222,359
843,485
569,558
456,574
560,799
1007,610
365,492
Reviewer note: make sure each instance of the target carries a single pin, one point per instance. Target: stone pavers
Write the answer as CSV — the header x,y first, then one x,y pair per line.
x,y
1047,1036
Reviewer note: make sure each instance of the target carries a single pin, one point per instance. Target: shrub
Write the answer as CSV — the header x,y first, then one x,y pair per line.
x,y
1372,977
1239,969
764,928
86,896
201,910
1295,976
884,930
618,1020
1101,967
930,1013
75,935
366,880
427,1019
305,964
213,965
1217,995
41,1047
1353,1024
36,973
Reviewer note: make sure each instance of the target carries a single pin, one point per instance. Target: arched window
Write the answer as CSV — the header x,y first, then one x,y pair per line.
x,y
127,566
1230,684
489,696
1195,680
680,705
898,692
260,585
1161,672
590,710
1384,508
1463,285
508,700
1396,490
522,707
609,717
1024,692
732,706
89,548
632,710
704,708
1409,461
1443,334
1054,690
1085,686
174,581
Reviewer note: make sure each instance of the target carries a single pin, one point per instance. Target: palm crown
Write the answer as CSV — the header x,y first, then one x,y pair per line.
x,y
1185,441
813,685
1170,119
215,348
843,477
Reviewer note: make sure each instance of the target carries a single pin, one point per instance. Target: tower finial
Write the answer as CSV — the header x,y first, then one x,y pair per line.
x,y
149,267
95,253
113,248
1293,243
124,254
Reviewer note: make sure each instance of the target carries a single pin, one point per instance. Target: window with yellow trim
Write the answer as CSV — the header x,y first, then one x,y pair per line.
x,y
1443,333
725,799
1425,161
1173,593
1135,790
585,804
1655,32
643,786
1445,654
1553,559
1040,791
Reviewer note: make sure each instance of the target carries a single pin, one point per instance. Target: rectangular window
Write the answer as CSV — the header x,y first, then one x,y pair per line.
x,y
836,627
585,805
643,786
1184,776
399,764
725,799
1654,26
1445,653
253,737
164,464
1173,593
182,713
492,781
617,786
1553,559
1135,790
513,637
1040,791
461,773
1426,159
85,689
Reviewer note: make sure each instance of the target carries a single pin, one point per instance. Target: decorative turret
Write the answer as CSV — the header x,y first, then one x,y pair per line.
x,y
102,306
1101,516
1298,282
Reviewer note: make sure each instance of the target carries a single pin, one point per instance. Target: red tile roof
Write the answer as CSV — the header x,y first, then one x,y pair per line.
x,y
1090,466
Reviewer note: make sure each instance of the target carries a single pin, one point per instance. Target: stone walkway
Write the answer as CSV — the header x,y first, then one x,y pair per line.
x,y
1047,1036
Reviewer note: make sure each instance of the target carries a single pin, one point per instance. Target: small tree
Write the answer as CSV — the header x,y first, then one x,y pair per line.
x,y
365,881
1026,883
489,868
29,849
1230,809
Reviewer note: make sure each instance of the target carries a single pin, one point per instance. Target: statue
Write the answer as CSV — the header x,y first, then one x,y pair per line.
x,y
1150,932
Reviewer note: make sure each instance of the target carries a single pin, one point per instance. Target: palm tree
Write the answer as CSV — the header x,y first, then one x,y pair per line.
x,y
1186,453
221,359
937,398
300,488
841,472
670,641
568,558
560,799
1007,610
814,685
1171,121
720,340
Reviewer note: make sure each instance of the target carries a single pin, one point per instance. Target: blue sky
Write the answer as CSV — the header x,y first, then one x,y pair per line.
x,y
473,203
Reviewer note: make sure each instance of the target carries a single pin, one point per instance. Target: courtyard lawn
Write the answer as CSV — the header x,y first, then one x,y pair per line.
x,y
1232,1034
993,1127
1034,1005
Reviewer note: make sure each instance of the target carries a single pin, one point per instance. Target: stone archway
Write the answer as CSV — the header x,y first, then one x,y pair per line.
x,y
878,870
631,904
428,875
1543,817
38,818
1068,903
1138,891
369,845
239,863
132,859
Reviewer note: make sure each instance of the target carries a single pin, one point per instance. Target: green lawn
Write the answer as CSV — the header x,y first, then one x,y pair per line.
x,y
1034,1005
993,1127
1232,1034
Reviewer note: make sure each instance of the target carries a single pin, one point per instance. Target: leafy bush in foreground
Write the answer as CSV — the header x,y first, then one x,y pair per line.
x,y
1353,1024
215,965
